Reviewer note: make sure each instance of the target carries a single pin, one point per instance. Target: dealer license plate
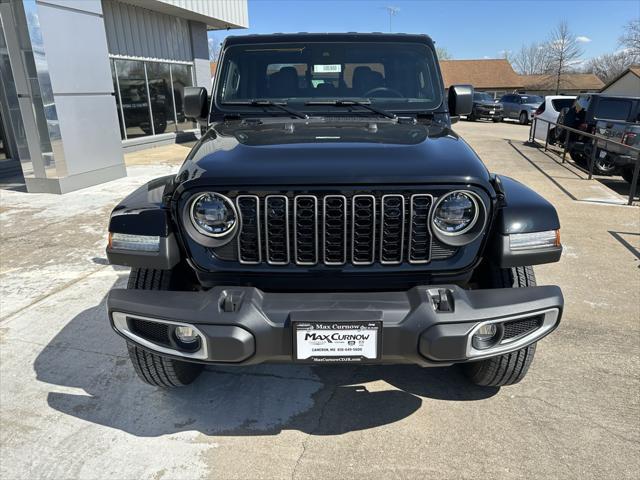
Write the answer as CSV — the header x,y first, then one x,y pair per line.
x,y
337,341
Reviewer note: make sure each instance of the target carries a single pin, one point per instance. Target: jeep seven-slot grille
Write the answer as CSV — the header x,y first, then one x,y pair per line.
x,y
332,229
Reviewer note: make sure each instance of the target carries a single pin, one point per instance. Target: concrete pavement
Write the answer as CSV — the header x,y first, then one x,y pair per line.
x,y
71,406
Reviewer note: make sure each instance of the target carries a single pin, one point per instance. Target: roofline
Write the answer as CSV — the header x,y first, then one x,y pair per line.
x,y
627,70
212,23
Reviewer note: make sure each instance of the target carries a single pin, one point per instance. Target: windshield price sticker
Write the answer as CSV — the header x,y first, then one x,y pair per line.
x,y
337,342
327,68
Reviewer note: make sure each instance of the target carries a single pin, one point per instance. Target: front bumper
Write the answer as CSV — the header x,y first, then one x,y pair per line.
x,y
244,325
484,113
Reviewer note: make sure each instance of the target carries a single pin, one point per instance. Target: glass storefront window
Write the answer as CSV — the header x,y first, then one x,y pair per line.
x,y
135,81
117,97
133,94
181,78
160,91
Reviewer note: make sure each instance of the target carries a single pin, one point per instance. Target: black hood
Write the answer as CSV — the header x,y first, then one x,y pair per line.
x,y
329,151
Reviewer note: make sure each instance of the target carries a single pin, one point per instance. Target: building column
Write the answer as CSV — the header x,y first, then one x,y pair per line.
x,y
200,50
69,95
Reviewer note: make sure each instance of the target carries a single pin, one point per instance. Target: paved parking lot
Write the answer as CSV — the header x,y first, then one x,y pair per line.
x,y
71,406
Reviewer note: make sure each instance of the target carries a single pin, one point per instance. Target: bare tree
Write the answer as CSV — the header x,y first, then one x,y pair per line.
x,y
214,48
532,59
506,54
443,53
630,39
564,52
608,66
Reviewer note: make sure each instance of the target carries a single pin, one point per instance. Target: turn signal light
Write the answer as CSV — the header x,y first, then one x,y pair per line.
x,y
140,243
534,240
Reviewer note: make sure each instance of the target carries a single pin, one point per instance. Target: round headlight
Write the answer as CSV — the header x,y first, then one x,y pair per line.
x,y
456,213
213,215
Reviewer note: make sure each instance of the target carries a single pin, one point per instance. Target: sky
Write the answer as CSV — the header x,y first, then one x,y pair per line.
x,y
467,29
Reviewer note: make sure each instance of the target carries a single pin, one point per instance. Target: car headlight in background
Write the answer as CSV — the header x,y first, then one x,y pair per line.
x,y
456,213
213,215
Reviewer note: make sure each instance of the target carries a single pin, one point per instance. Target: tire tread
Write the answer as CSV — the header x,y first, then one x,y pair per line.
x,y
152,368
509,368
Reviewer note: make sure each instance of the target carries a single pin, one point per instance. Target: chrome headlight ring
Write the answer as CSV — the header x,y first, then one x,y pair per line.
x,y
200,234
471,231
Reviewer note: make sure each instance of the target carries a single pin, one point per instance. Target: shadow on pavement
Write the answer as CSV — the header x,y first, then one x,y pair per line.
x,y
257,400
618,185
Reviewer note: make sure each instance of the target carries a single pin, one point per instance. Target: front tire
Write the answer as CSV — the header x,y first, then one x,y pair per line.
x,y
523,119
154,369
510,368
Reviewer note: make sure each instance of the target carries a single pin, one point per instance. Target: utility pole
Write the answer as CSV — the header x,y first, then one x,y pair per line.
x,y
392,11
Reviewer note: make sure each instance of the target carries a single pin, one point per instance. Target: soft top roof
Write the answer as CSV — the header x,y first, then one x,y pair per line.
x,y
303,37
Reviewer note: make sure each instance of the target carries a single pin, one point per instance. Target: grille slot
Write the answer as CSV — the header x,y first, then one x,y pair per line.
x,y
363,229
334,233
519,328
249,244
305,229
276,229
392,229
152,331
420,233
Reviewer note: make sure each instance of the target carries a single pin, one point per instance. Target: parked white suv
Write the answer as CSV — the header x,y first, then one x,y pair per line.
x,y
549,110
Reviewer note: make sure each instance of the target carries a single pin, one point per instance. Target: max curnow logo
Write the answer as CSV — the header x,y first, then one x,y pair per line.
x,y
335,337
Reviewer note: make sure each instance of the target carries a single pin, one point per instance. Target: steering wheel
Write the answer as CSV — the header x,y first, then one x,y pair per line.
x,y
373,91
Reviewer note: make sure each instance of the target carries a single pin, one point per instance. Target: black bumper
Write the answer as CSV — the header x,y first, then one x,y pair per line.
x,y
243,325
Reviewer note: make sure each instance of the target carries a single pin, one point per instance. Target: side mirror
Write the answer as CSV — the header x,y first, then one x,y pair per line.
x,y
195,103
460,99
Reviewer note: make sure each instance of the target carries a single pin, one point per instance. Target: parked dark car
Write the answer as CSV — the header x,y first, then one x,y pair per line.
x,y
521,107
485,106
613,158
329,214
617,117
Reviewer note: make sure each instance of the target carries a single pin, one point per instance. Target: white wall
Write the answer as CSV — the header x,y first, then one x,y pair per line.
x,y
629,85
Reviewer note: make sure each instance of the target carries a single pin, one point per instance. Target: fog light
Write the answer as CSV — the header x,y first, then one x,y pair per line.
x,y
186,335
486,336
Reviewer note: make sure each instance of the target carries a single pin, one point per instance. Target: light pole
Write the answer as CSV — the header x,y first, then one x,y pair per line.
x,y
392,11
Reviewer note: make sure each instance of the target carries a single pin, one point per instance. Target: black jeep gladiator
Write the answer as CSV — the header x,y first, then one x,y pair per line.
x,y
329,214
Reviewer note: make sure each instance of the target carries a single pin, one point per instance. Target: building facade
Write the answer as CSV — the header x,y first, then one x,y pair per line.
x,y
570,84
494,76
627,83
81,81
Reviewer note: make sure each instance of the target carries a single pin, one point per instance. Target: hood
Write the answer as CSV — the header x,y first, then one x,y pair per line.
x,y
351,151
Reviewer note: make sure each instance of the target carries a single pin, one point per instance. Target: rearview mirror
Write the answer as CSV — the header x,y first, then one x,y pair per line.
x,y
460,99
195,103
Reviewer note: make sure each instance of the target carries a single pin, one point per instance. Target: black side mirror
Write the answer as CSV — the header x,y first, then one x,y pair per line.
x,y
460,99
195,103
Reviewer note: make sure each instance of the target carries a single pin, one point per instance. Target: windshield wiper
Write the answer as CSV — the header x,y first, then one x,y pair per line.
x,y
351,103
269,103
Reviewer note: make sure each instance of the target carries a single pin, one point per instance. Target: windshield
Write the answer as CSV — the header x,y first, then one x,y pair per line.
x,y
393,76
531,99
482,97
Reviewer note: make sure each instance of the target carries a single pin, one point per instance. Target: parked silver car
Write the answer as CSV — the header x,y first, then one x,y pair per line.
x,y
520,107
